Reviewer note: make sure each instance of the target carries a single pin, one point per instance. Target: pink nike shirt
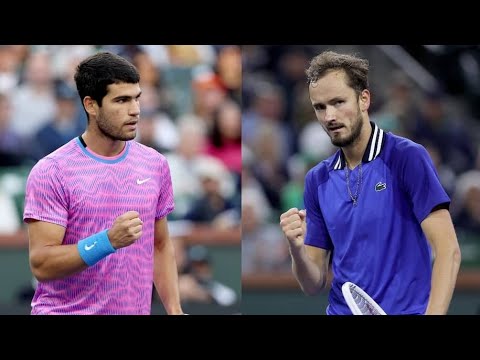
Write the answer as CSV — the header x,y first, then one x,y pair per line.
x,y
85,192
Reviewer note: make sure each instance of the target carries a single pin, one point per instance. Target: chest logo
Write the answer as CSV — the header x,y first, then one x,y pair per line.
x,y
380,186
140,182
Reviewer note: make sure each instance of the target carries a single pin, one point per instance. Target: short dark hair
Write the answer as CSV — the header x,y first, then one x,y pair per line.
x,y
96,72
355,68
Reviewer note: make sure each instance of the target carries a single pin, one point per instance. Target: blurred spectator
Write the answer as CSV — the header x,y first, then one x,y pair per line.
x,y
400,110
445,173
269,166
10,59
448,134
200,267
214,200
251,184
267,107
208,93
186,183
156,128
314,143
9,221
263,245
12,152
292,193
189,288
149,74
467,201
195,281
229,67
158,54
62,127
65,59
191,55
34,100
290,74
146,131
224,141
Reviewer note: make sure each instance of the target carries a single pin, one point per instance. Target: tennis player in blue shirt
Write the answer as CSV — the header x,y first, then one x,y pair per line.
x,y
375,210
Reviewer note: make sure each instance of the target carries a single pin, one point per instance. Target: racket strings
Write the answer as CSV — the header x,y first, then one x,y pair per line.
x,y
363,304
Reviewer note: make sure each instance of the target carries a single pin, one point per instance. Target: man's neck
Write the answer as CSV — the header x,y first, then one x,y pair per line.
x,y
354,152
101,144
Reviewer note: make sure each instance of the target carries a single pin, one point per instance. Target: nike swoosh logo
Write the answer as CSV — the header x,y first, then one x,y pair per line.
x,y
89,247
140,182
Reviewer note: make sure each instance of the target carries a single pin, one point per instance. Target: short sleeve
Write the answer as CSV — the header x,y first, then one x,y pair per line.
x,y
165,203
317,234
421,182
45,196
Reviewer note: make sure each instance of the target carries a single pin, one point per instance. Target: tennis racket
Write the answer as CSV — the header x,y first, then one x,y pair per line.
x,y
359,302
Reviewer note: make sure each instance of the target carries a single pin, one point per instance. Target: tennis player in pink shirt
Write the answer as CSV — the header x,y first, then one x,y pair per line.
x,y
97,207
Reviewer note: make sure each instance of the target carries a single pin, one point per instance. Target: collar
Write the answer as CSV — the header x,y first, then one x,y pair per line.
x,y
374,146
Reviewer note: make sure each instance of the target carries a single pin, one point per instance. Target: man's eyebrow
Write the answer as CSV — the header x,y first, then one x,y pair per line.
x,y
332,100
127,96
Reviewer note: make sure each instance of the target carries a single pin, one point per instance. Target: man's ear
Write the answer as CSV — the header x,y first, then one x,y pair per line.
x,y
364,100
91,106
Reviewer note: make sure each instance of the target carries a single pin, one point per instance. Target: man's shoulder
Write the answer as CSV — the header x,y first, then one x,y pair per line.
x,y
67,150
64,154
146,150
400,145
321,170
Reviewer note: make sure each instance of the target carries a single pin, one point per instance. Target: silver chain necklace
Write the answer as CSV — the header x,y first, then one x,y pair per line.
x,y
354,197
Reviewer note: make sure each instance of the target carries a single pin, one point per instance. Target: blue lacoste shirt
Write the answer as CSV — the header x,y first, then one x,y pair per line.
x,y
379,243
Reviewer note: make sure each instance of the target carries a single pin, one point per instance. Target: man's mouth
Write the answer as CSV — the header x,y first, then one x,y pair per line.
x,y
334,127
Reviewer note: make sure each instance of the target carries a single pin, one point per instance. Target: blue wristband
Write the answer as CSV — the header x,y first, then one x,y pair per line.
x,y
94,248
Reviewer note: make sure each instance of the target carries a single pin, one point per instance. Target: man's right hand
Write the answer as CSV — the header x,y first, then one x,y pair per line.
x,y
126,229
293,224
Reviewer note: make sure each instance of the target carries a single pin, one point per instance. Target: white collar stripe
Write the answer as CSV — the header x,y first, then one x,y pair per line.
x,y
338,163
379,143
372,145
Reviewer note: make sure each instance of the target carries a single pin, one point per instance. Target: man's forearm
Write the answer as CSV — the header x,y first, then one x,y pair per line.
x,y
307,273
56,262
444,277
166,279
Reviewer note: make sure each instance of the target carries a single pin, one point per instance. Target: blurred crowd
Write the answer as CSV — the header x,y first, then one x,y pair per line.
x,y
190,112
282,140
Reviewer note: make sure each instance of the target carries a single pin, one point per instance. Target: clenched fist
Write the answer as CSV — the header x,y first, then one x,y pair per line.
x,y
293,224
126,229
